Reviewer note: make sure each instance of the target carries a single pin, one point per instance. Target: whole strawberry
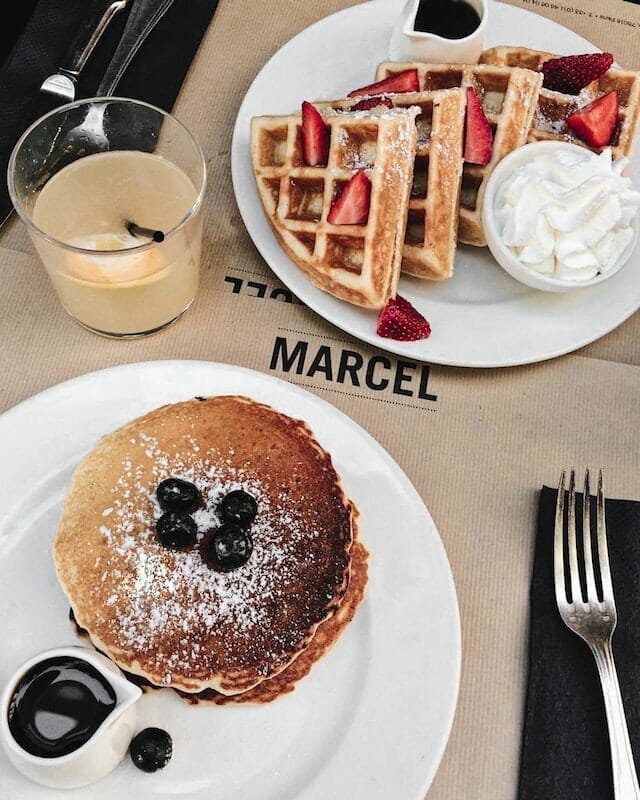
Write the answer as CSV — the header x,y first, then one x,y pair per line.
x,y
570,74
401,321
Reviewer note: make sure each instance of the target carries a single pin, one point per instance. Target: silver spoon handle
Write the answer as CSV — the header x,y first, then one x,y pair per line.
x,y
143,17
90,33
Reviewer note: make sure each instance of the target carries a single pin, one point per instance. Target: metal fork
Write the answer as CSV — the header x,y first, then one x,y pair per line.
x,y
64,83
593,617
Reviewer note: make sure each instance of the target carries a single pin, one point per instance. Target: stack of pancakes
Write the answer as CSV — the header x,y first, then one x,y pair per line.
x,y
168,617
442,204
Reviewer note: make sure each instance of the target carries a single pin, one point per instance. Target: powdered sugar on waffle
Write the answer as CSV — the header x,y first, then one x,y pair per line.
x,y
402,147
364,155
561,105
380,112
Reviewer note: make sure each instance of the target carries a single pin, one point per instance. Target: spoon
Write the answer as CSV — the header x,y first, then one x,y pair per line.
x,y
89,134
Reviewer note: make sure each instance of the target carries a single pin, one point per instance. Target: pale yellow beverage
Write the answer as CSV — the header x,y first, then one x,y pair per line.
x,y
108,279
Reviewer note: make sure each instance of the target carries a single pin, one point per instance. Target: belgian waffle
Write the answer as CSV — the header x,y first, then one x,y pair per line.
x,y
432,222
508,96
553,108
357,263
164,614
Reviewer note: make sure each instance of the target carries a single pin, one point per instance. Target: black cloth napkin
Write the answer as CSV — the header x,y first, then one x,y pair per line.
x,y
565,746
43,38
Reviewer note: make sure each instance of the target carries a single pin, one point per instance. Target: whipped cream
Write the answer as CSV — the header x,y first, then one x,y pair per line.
x,y
568,215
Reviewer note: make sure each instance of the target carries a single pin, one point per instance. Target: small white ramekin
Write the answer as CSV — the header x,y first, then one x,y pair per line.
x,y
504,256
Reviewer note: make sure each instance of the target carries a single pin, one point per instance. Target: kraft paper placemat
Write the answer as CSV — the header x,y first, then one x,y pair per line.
x,y
613,26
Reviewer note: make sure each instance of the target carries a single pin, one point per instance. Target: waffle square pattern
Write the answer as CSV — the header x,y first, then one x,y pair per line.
x,y
552,109
432,221
508,96
359,263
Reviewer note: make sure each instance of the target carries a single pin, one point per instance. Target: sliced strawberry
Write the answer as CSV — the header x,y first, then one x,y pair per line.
x,y
478,140
401,321
315,136
406,81
372,102
352,207
595,123
569,74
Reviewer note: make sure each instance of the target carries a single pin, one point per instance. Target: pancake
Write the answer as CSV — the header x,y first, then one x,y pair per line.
x,y
168,616
325,637
327,634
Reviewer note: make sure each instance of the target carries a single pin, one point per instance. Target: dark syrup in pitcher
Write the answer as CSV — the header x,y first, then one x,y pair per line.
x,y
58,705
450,19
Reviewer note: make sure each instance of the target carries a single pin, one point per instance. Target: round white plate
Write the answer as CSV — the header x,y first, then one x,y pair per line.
x,y
370,721
481,317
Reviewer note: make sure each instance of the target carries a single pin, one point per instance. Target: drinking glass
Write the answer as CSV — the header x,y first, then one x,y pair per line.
x,y
111,190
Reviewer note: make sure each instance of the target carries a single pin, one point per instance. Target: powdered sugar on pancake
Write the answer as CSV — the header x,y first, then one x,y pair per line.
x,y
164,591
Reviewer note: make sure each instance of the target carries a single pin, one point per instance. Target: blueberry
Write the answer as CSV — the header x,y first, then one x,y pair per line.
x,y
151,749
238,507
176,529
227,548
175,494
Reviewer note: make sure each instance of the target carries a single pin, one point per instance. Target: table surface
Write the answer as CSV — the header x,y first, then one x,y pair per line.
x,y
477,444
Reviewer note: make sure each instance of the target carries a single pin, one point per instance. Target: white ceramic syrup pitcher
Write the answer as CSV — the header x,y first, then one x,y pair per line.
x,y
104,749
409,44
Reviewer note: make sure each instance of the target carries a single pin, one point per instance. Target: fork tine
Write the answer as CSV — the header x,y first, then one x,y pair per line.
x,y
574,575
558,546
592,594
603,552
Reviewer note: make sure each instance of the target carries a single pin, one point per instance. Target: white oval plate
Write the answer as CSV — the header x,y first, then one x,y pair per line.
x,y
370,721
481,317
